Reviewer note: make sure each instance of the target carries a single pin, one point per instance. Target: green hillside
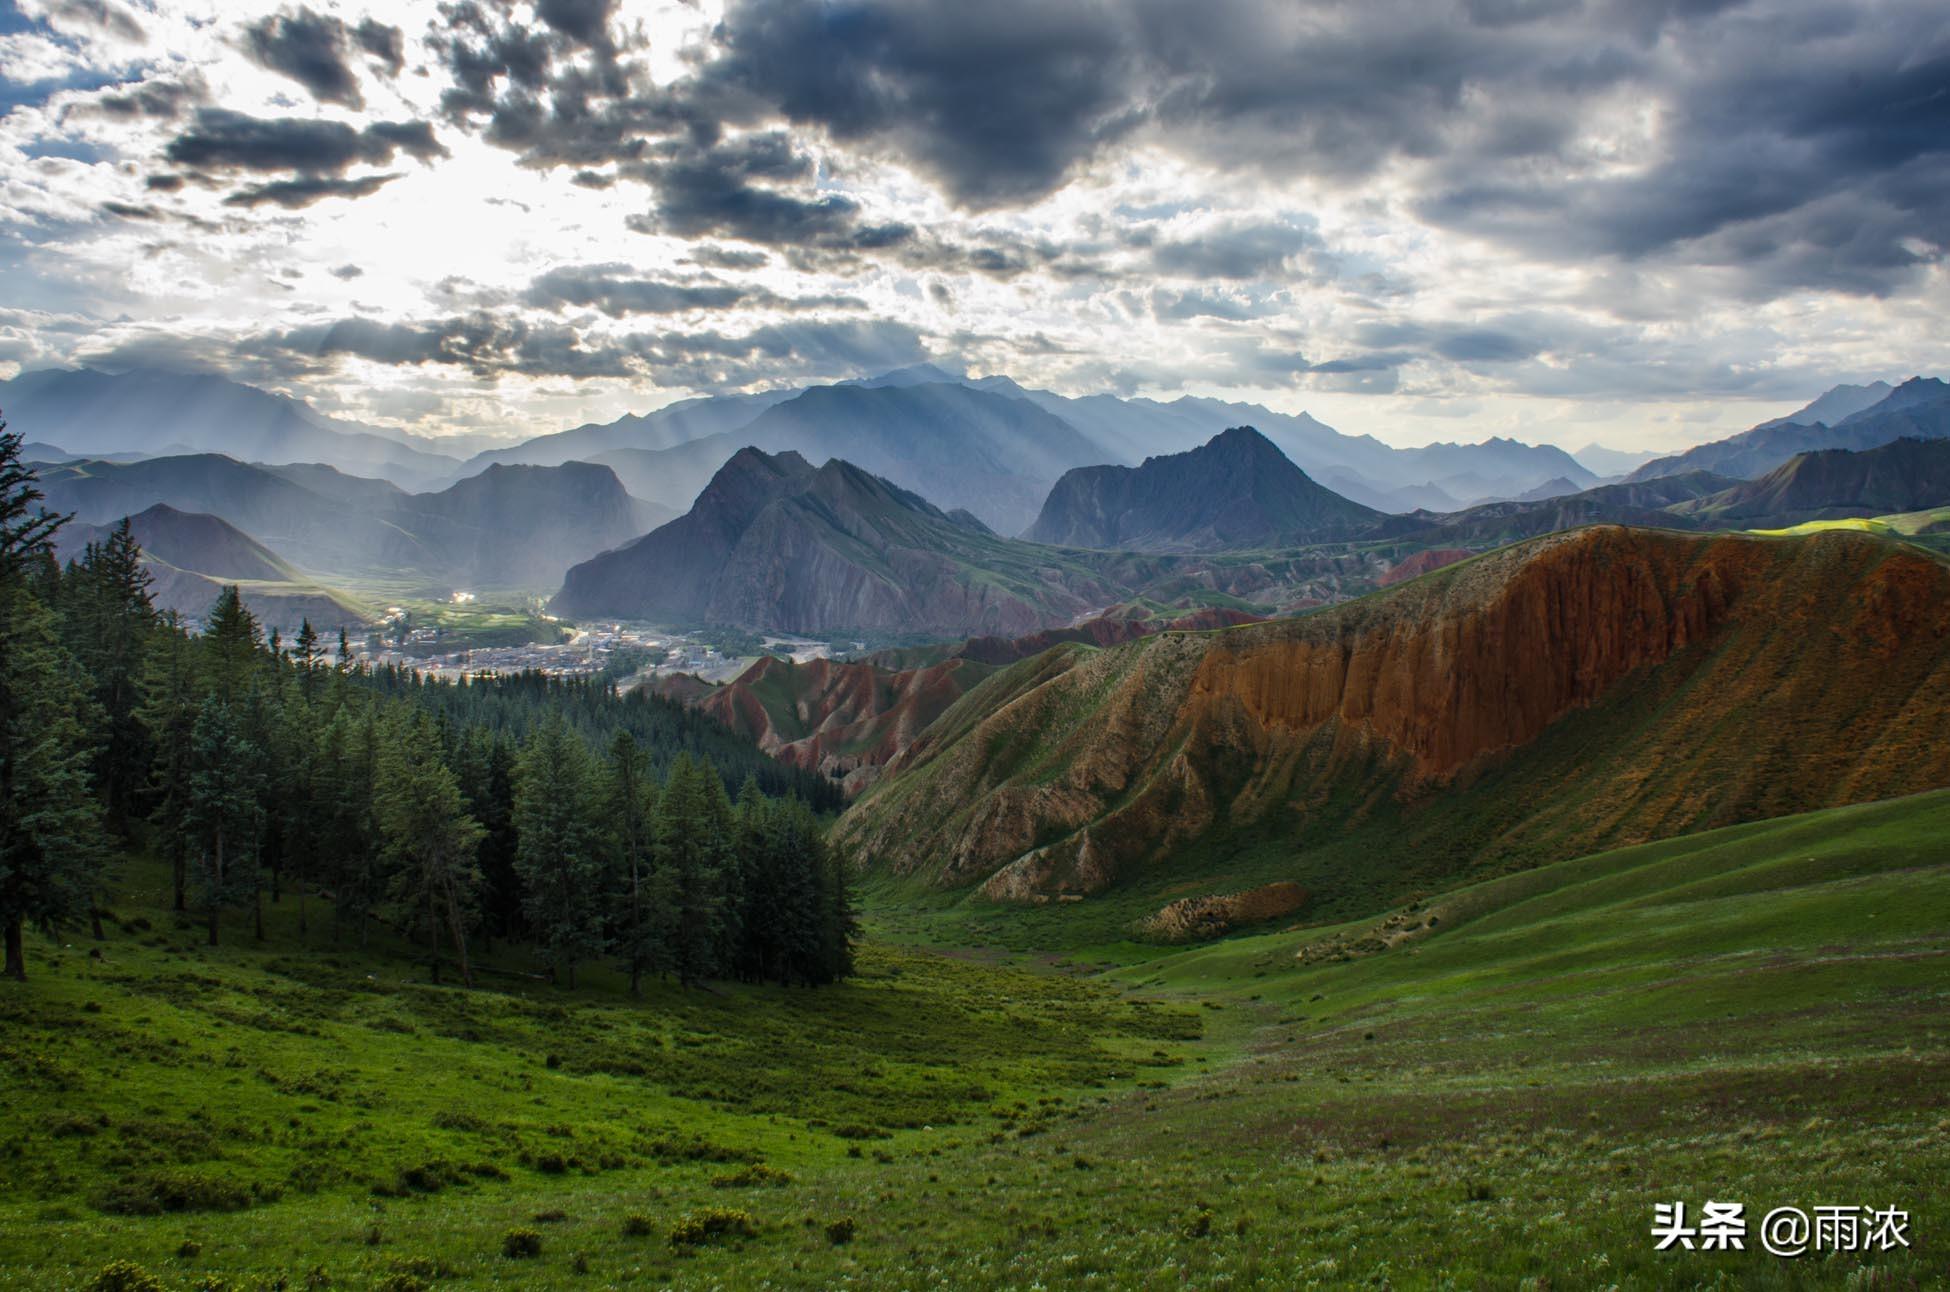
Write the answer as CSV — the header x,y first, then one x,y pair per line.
x,y
1756,1014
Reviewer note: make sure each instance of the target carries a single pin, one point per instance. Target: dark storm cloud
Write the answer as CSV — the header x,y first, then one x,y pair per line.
x,y
161,100
294,194
1823,164
614,291
1239,251
111,18
310,48
996,102
383,44
618,291
220,139
494,344
347,272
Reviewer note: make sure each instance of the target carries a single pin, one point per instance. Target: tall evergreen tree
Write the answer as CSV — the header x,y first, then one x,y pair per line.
x,y
691,841
629,804
167,713
109,621
430,839
559,851
50,842
225,809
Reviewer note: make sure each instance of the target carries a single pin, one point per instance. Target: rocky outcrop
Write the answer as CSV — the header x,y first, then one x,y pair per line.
x,y
1686,682
1424,562
1191,919
842,720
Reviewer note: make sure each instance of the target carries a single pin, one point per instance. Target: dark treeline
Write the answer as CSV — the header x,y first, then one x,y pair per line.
x,y
547,812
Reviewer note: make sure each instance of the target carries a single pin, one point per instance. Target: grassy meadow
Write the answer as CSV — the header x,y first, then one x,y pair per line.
x,y
1488,1089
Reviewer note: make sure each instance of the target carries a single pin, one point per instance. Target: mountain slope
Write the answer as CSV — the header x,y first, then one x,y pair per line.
x,y
1919,408
667,427
773,542
1235,491
190,557
508,527
1596,688
1903,476
89,412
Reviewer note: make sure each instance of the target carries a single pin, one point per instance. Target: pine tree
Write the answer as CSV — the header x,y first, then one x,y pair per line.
x,y
110,631
167,713
430,839
691,841
230,644
50,839
225,811
629,805
559,855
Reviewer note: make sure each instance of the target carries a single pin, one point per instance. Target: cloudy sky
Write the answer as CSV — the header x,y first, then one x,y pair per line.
x,y
1644,222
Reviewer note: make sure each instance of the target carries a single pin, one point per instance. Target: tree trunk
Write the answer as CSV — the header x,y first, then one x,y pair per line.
x,y
216,888
636,927
460,938
16,953
182,869
433,939
95,917
257,902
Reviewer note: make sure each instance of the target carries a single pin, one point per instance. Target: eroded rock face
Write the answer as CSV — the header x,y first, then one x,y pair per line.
x,y
842,720
1424,562
1191,919
1778,675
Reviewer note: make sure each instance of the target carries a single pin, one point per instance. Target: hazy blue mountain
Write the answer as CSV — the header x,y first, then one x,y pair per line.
x,y
1917,409
1832,484
92,413
1840,402
776,543
507,527
667,427
1607,462
1235,491
190,556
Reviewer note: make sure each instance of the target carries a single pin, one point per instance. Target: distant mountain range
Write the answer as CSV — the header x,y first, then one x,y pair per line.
x,y
509,527
191,556
1832,484
775,542
1919,408
90,413
1235,491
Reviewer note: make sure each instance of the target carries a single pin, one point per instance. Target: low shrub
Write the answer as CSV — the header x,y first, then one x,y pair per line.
x,y
710,1225
125,1276
151,1193
636,1226
840,1232
756,1175
519,1244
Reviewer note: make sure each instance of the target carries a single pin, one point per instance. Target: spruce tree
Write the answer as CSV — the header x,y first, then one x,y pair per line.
x,y
225,809
559,855
430,839
50,840
167,712
691,840
629,804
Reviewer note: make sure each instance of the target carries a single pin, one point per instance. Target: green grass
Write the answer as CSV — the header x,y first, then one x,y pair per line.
x,y
1756,1014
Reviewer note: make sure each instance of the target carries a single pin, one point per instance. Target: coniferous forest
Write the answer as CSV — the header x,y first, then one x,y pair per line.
x,y
547,812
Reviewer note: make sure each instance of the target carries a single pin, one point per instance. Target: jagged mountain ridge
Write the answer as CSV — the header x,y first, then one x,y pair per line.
x,y
1917,409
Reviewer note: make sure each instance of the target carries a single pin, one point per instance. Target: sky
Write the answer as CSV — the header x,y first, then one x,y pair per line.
x,y
1644,223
